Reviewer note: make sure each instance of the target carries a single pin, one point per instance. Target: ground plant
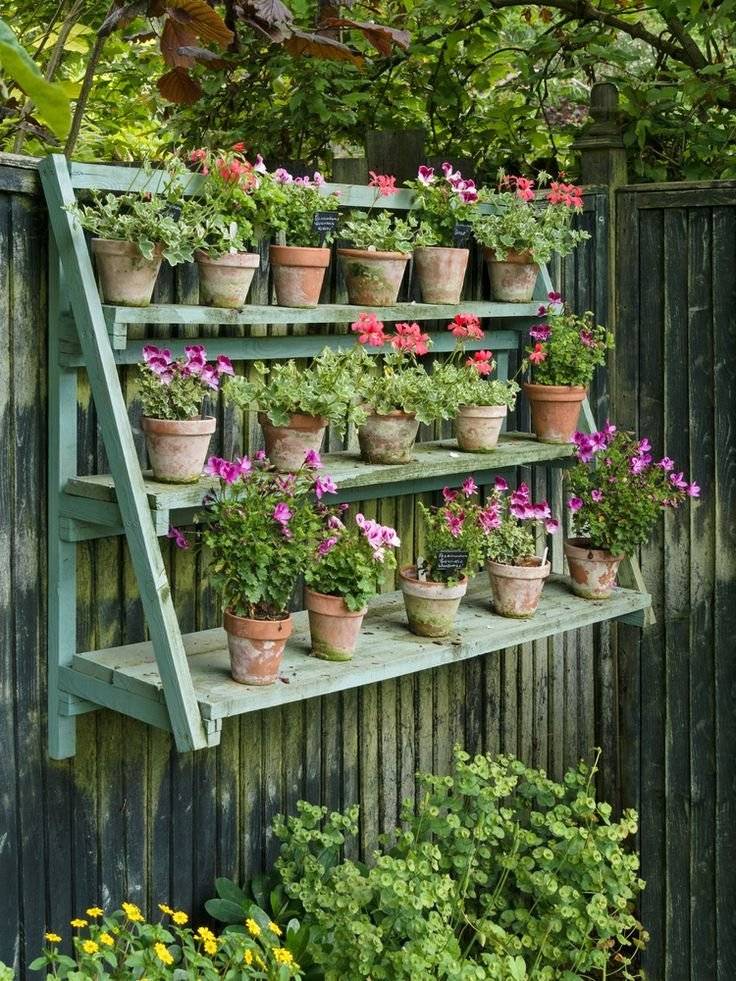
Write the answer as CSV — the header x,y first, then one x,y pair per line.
x,y
175,388
566,347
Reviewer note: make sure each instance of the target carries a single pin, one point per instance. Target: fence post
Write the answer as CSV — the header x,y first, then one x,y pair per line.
x,y
601,146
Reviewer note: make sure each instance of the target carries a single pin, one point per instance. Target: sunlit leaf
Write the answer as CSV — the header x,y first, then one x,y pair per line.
x,y
52,104
201,20
320,46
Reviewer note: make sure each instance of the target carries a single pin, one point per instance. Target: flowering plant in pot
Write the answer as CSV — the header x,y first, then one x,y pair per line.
x,y
524,231
347,569
296,404
172,391
381,248
433,588
444,206
565,352
617,492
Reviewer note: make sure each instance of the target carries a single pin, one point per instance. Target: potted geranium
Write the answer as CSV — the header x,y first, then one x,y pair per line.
x,y
433,588
348,568
617,491
565,352
172,391
515,572
381,248
521,233
444,207
296,404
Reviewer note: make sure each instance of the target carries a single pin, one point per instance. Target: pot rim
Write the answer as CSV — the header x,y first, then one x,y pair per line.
x,y
179,427
393,414
297,420
243,260
374,254
484,411
582,548
329,599
441,248
121,246
513,257
279,629
574,391
458,588
308,256
504,571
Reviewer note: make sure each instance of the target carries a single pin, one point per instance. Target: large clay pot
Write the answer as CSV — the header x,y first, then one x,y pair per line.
x,y
512,279
298,274
592,570
555,410
388,439
373,279
177,449
333,628
440,273
515,589
126,277
225,282
478,427
431,607
256,647
286,446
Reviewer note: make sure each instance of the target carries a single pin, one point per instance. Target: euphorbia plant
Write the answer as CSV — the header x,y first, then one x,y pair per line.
x,y
174,389
440,203
566,348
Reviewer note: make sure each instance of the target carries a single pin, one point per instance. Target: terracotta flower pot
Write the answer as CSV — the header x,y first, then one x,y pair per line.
x,y
515,589
177,449
225,282
126,277
256,647
512,279
555,410
592,570
440,273
373,279
333,628
388,439
478,427
286,446
298,274
431,607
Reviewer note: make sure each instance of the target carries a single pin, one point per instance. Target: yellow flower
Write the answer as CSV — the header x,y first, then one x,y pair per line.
x,y
204,934
132,912
53,938
163,953
283,956
253,929
78,924
210,947
166,909
95,912
274,928
106,939
180,918
248,956
90,947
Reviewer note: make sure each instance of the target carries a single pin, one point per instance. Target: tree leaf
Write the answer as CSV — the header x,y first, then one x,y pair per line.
x,y
204,56
382,38
179,86
51,102
200,19
319,46
122,16
272,11
174,38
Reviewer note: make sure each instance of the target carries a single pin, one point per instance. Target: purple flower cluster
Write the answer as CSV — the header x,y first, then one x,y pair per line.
x,y
521,507
159,362
282,176
228,471
465,189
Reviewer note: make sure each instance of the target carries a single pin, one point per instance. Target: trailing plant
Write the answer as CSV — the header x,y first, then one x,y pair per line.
x,y
498,873
440,203
293,203
466,380
506,524
352,560
172,389
567,348
618,490
520,224
450,527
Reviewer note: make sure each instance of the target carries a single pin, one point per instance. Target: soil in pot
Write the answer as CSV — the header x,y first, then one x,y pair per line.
x,y
478,427
440,273
592,570
389,438
373,279
333,628
431,607
127,278
177,449
512,279
287,446
256,647
555,410
516,589
298,274
225,282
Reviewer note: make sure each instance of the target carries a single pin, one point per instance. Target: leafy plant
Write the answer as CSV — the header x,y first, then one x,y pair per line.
x,y
447,528
51,101
6,973
618,490
568,348
383,232
440,203
505,524
226,199
293,203
466,380
172,389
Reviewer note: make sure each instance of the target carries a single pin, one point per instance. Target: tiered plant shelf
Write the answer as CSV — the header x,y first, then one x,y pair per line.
x,y
182,683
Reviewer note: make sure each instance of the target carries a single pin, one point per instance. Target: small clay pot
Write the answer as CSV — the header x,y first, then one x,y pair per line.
x,y
225,282
177,449
298,274
333,628
512,279
431,607
440,272
286,446
389,438
127,278
256,647
592,570
555,410
478,427
373,279
515,589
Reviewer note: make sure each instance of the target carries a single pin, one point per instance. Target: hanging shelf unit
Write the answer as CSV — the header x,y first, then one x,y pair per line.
x,y
181,683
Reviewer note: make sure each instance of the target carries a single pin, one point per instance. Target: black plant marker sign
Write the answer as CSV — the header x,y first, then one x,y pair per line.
x,y
325,222
461,234
451,559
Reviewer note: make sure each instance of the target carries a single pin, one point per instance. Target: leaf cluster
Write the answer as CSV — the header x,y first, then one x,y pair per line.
x,y
382,232
464,386
438,209
291,210
576,346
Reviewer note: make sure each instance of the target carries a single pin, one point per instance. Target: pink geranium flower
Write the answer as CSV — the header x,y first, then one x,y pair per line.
x,y
411,338
369,330
425,175
465,325
455,523
482,361
575,503
384,183
469,487
324,485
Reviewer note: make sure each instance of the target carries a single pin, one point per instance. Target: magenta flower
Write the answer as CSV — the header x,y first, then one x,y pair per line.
x,y
552,525
448,496
282,513
469,487
541,333
521,510
587,338
667,464
575,503
223,365
489,519
643,446
334,523
325,547
283,176
178,537
678,481
693,490
638,464
313,460
195,352
542,311
609,431
324,485
243,464
596,495
541,510
260,455
150,351
450,174
554,297
500,484
455,523
216,466
259,166
209,377
425,175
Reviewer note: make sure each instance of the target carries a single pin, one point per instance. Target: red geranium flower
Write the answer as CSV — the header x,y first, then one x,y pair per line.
x,y
482,361
465,325
383,183
538,354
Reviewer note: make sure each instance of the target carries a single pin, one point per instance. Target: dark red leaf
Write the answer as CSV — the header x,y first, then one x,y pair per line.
x,y
203,56
382,38
200,19
271,11
179,86
173,39
319,46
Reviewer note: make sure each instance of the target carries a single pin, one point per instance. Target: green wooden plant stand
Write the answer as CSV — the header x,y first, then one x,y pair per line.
x,y
182,683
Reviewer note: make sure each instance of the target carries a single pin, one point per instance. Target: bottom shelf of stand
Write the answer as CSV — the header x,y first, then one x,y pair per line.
x,y
127,678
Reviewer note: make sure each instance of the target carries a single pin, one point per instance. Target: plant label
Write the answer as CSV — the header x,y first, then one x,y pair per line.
x,y
325,222
452,559
461,234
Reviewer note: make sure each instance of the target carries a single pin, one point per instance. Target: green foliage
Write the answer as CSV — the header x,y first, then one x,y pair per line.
x,y
6,973
500,873
465,386
50,99
447,527
439,204
568,348
293,204
175,390
384,232
409,387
